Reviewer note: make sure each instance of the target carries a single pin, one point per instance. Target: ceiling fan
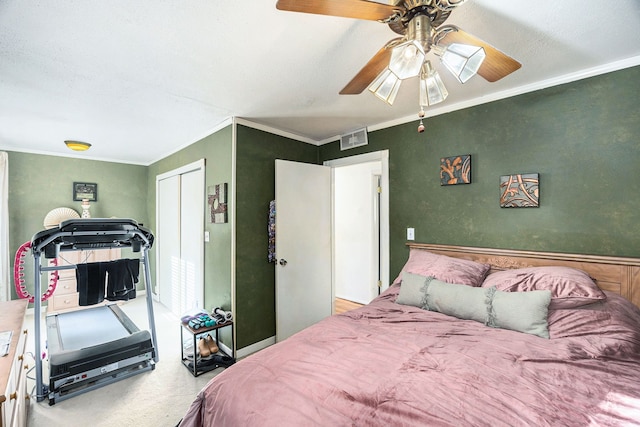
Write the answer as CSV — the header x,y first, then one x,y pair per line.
x,y
420,23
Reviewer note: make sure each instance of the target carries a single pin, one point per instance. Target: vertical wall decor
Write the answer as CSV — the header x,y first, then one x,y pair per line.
x,y
217,200
271,230
520,191
455,170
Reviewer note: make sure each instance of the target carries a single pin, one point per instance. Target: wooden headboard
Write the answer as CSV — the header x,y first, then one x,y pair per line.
x,y
615,274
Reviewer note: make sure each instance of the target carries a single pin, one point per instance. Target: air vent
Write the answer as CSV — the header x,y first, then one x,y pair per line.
x,y
355,139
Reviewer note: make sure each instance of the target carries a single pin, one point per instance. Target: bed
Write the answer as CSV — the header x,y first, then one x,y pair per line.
x,y
557,343
95,346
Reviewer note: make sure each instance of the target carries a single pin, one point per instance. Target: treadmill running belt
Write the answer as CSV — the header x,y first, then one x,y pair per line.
x,y
86,328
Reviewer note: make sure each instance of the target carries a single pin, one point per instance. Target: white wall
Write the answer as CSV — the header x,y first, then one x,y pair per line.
x,y
356,231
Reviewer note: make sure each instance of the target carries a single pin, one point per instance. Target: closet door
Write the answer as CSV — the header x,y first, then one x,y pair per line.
x,y
191,239
168,241
180,242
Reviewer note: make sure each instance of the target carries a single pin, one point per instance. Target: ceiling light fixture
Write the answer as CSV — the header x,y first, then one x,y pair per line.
x,y
421,25
386,86
432,90
406,59
462,60
409,59
77,145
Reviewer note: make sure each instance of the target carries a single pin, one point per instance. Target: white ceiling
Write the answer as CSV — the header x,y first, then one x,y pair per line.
x,y
142,79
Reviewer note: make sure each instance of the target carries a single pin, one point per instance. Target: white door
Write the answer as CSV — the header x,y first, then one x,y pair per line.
x,y
167,233
180,238
192,196
303,246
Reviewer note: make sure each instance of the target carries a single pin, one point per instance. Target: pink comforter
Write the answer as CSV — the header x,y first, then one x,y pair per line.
x,y
387,364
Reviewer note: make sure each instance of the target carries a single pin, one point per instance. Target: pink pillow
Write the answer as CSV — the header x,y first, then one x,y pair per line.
x,y
569,287
610,328
444,268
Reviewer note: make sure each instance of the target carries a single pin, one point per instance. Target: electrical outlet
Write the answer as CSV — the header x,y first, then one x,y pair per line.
x,y
411,233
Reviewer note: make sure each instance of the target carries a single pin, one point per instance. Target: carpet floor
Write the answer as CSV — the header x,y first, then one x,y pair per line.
x,y
154,398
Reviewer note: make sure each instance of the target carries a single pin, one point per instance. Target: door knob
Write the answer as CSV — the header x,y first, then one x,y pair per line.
x,y
283,262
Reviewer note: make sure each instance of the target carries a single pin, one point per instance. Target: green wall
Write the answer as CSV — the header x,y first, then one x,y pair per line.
x,y
217,150
582,138
255,277
40,183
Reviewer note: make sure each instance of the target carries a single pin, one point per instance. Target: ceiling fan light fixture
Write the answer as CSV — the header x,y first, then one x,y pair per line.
x,y
77,145
407,59
386,86
432,90
463,60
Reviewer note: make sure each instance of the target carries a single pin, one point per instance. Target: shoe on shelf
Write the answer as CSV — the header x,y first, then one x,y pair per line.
x,y
211,344
203,348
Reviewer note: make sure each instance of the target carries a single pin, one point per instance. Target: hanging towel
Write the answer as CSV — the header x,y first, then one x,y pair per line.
x,y
121,279
90,282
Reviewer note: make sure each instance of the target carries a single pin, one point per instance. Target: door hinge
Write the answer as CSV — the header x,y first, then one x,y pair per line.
x,y
379,283
379,189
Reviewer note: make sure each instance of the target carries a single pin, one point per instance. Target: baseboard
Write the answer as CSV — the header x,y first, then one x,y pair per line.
x,y
250,349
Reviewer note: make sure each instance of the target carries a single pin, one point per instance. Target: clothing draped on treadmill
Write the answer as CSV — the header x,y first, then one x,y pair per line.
x,y
122,279
90,279
111,280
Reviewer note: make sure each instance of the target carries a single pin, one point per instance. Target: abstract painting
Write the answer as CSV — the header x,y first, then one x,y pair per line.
x,y
217,200
520,191
455,170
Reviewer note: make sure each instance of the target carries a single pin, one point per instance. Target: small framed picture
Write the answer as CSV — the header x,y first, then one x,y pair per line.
x,y
520,191
85,190
217,200
455,170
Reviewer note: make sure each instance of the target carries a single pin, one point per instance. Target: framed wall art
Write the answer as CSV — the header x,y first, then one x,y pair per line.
x,y
520,191
455,170
85,190
217,200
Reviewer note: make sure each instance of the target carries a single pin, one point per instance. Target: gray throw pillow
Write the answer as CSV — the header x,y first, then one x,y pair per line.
x,y
461,301
517,311
411,289
521,311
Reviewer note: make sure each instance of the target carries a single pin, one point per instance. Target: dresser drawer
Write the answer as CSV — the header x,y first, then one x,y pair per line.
x,y
65,287
64,302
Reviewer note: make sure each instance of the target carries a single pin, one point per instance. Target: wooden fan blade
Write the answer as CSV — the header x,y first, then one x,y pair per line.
x,y
358,9
370,71
495,66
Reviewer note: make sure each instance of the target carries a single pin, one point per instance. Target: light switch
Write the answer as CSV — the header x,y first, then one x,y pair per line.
x,y
206,236
411,234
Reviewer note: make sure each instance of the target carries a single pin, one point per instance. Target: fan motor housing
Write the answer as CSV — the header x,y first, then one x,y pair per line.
x,y
415,8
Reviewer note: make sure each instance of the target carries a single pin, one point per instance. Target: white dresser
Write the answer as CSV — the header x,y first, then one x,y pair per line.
x,y
14,401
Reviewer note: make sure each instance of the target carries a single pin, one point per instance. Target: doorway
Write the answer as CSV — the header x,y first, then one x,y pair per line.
x,y
360,228
306,240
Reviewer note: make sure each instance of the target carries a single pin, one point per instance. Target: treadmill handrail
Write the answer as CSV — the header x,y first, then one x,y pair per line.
x,y
93,233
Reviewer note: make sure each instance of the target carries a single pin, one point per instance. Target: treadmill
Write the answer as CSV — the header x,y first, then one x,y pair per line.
x,y
95,346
